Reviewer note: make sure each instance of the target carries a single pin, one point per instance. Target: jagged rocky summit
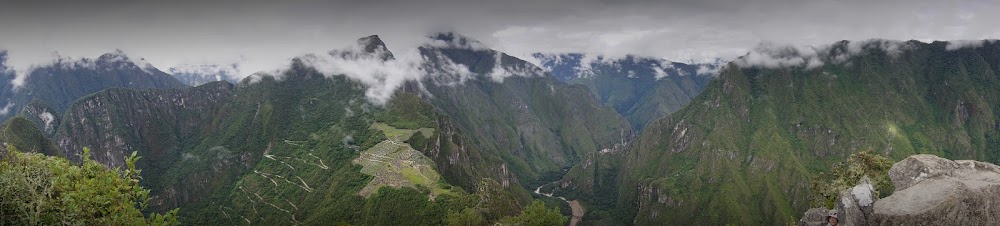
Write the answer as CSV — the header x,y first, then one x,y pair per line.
x,y
929,190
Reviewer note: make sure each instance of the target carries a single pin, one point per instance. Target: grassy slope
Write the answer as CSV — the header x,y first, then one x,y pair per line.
x,y
22,133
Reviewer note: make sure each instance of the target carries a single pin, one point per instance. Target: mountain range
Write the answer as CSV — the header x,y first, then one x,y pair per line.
x,y
636,140
641,89
745,150
198,74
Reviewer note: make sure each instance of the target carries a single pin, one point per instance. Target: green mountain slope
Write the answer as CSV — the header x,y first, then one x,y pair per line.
x,y
282,150
22,134
743,152
536,123
285,153
640,89
157,123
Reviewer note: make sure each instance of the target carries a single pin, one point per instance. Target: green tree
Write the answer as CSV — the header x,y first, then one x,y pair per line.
x,y
536,215
826,187
45,190
466,217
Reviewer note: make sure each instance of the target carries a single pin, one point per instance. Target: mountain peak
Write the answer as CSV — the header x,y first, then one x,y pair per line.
x,y
372,44
118,59
113,57
368,46
455,40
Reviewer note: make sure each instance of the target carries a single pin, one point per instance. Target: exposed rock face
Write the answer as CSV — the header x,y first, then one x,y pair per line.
x,y
917,168
936,191
814,217
854,205
115,122
929,191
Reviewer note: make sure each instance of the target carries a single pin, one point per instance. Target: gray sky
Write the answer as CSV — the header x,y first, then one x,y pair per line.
x,y
263,35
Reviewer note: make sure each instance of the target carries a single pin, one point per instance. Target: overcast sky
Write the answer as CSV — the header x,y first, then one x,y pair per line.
x,y
262,35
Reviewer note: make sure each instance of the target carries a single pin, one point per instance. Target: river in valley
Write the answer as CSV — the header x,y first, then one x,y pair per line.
x,y
578,209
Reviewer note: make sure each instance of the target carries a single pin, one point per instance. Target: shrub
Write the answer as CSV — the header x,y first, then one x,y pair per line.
x,y
827,186
45,190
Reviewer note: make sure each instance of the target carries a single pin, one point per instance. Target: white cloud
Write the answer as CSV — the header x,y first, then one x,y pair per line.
x,y
460,42
814,62
959,44
705,69
53,60
770,55
584,69
7,108
659,73
268,33
18,81
208,72
498,73
63,62
382,77
501,71
47,118
444,71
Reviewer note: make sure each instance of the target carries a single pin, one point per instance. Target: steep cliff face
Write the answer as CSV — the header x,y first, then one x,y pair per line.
x,y
744,150
157,123
537,124
44,116
461,162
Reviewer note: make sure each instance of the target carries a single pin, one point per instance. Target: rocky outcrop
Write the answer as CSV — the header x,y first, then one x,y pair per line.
x,y
814,217
929,191
855,205
934,191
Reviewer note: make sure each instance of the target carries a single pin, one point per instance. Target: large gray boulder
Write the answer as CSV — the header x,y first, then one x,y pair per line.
x,y
814,217
855,205
917,168
934,191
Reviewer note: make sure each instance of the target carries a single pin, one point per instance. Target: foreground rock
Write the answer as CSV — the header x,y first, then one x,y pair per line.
x,y
936,191
929,191
813,217
855,205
